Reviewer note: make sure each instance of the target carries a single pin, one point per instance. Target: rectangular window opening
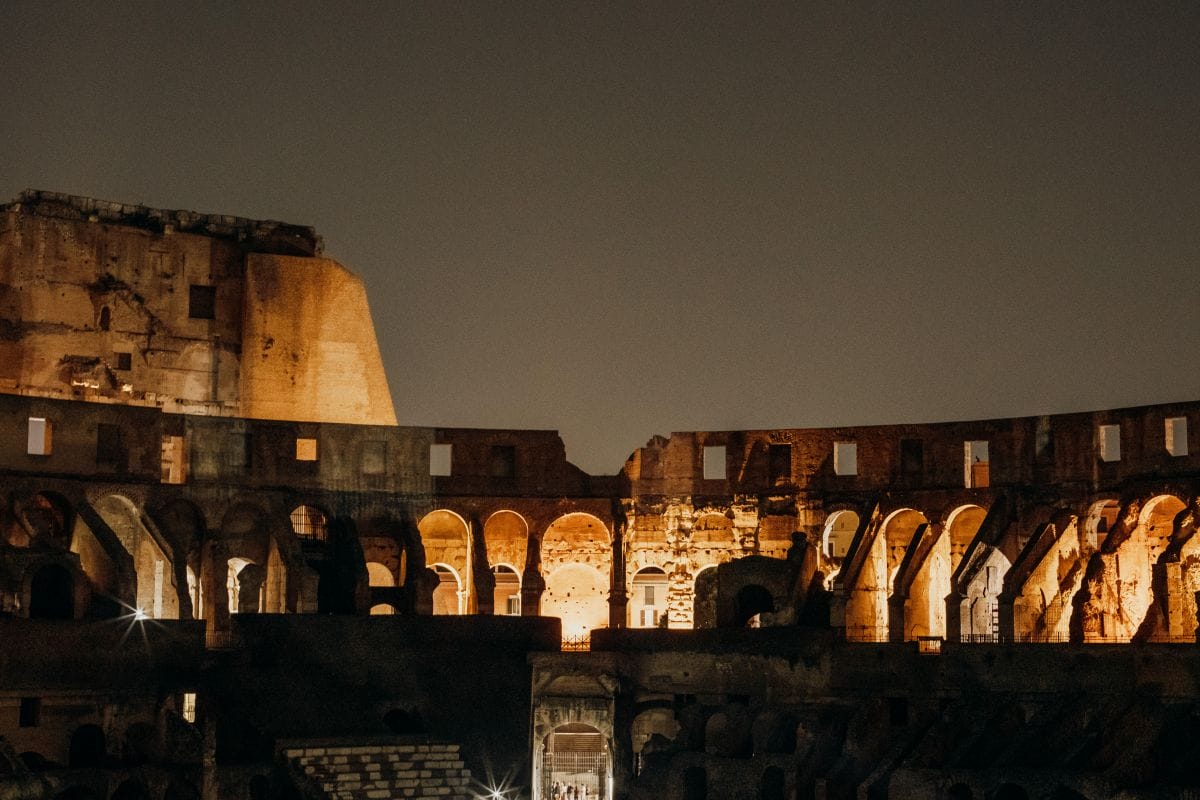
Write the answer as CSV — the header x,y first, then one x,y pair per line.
x,y
714,462
189,707
514,605
504,461
779,457
40,439
31,712
174,464
1110,442
1177,436
912,457
202,302
845,458
124,361
110,446
976,466
440,456
306,449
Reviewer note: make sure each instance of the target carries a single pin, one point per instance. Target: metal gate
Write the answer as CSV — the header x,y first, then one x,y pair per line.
x,y
584,771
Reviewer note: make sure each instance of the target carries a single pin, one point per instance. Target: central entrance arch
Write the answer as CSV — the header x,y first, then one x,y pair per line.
x,y
575,758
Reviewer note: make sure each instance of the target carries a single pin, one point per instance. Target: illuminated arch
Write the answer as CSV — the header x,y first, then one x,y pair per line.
x,y
446,539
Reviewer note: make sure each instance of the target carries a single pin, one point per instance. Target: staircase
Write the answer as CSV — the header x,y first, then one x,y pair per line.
x,y
349,771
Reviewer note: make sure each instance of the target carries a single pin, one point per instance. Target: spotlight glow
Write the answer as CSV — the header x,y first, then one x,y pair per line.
x,y
139,615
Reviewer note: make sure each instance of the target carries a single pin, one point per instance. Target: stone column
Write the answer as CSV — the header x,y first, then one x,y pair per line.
x,y
618,596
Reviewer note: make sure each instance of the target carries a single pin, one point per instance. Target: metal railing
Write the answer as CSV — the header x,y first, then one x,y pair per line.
x,y
577,644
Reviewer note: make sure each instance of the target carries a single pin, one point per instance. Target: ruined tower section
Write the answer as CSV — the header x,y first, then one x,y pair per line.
x,y
118,303
308,344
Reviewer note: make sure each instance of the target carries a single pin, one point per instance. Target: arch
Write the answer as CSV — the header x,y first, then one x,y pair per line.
x,y
379,575
704,598
88,747
1100,520
980,605
506,534
507,591
867,604
156,595
50,516
1044,589
773,784
382,610
445,537
244,584
52,593
576,754
577,562
253,535
1118,584
935,560
310,523
648,598
448,596
838,534
577,594
650,723
752,600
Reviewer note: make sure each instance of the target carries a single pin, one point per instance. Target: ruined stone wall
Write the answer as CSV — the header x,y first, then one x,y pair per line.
x,y
309,344
132,305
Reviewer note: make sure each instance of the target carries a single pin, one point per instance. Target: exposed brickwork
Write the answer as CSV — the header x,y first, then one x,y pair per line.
x,y
374,772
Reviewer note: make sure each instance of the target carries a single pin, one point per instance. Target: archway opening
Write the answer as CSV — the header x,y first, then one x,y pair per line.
x,y
382,610
445,537
575,763
52,593
447,596
309,524
507,597
836,539
378,575
751,601
244,582
704,599
648,600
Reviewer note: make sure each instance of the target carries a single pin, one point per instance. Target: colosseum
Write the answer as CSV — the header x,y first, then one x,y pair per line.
x,y
226,571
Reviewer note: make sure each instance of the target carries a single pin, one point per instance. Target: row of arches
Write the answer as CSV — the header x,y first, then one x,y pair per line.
x,y
1113,573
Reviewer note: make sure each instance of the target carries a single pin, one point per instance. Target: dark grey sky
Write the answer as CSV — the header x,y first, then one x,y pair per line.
x,y
626,219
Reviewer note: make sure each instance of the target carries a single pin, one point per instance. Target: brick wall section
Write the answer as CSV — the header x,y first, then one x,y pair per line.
x,y
375,772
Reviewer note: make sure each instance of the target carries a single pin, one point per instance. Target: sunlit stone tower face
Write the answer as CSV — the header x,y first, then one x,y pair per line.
x,y
192,313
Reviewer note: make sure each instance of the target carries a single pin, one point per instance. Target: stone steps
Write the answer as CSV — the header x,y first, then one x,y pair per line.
x,y
429,771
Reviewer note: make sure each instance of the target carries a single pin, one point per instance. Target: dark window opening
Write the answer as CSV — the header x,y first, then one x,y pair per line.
x,y
779,457
110,446
202,302
105,318
124,361
31,712
912,457
504,461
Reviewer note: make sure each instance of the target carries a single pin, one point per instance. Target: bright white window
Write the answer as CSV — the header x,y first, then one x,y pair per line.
x,y
189,706
845,458
976,468
714,463
39,441
1110,442
439,459
306,449
1177,436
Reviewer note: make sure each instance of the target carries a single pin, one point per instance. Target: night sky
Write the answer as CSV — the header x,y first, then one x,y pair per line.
x,y
619,220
